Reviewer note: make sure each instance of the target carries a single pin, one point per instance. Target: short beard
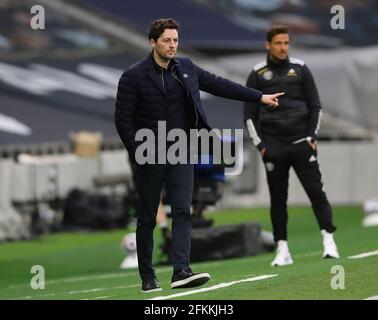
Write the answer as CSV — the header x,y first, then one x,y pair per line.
x,y
165,59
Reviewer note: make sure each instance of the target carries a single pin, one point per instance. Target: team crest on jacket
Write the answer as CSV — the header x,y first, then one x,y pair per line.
x,y
268,75
291,73
269,166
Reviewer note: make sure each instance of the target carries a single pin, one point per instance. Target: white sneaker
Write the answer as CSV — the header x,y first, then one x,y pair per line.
x,y
370,220
130,262
283,256
330,248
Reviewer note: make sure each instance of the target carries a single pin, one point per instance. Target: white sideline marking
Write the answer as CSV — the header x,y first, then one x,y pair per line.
x,y
105,276
75,292
218,286
78,279
93,277
98,298
372,298
364,255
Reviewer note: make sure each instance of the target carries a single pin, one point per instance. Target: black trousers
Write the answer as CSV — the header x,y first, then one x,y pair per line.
x,y
178,181
280,157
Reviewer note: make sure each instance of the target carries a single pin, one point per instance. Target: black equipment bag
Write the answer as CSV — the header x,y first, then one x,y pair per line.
x,y
90,211
227,241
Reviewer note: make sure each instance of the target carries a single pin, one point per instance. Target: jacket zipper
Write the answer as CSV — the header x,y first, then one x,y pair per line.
x,y
162,78
190,97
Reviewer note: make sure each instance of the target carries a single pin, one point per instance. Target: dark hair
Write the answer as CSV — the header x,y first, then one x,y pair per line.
x,y
157,27
278,29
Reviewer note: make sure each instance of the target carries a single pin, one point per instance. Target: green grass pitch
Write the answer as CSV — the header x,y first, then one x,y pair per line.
x,y
86,265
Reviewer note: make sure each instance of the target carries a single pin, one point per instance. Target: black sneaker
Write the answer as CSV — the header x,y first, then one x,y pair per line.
x,y
188,279
150,285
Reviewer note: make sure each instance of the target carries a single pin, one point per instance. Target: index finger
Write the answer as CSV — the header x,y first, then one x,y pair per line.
x,y
278,94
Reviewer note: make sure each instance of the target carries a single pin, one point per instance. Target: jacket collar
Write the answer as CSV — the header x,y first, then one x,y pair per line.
x,y
276,63
151,63
154,71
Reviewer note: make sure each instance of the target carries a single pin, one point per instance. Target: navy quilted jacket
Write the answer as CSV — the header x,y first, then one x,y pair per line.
x,y
141,97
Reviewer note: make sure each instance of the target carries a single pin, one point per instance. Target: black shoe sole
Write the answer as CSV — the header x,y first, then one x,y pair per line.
x,y
191,282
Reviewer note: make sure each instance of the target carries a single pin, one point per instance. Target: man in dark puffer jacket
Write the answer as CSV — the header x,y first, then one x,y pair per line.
x,y
164,88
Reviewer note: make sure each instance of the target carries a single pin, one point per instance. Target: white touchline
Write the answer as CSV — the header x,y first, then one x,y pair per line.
x,y
372,298
97,298
103,276
90,278
218,286
78,279
102,289
364,255
75,292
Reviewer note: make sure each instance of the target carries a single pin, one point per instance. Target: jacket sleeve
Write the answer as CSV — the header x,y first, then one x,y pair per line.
x,y
127,96
221,87
313,103
251,116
